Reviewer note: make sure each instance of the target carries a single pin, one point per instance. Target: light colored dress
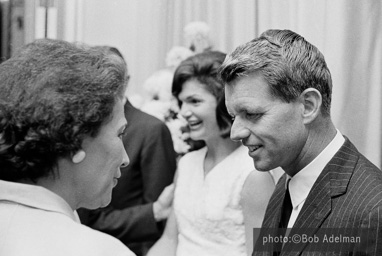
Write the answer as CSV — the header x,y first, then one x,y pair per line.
x,y
207,209
37,222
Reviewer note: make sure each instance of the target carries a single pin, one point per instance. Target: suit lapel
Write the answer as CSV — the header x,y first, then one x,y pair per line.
x,y
271,218
316,209
273,212
333,181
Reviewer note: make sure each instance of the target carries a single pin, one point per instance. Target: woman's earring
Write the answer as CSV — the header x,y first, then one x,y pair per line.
x,y
79,157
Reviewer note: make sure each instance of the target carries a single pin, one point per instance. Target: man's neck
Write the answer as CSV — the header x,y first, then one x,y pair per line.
x,y
319,137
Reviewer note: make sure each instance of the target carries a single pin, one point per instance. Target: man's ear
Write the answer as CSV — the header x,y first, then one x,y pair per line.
x,y
78,157
312,100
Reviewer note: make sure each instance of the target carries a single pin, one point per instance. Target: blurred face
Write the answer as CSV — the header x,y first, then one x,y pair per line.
x,y
272,129
105,154
198,107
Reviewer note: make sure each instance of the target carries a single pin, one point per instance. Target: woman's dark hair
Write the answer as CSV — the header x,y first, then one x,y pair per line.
x,y
53,94
204,67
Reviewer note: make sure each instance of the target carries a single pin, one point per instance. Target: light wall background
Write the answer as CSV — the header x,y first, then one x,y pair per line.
x,y
347,32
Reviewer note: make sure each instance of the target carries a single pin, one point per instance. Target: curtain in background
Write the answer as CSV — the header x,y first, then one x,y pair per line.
x,y
145,30
347,32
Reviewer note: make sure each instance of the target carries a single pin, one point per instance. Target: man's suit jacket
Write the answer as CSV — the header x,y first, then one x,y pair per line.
x,y
129,217
347,194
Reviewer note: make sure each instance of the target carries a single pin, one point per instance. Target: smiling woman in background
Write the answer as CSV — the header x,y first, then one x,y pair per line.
x,y
61,123
219,198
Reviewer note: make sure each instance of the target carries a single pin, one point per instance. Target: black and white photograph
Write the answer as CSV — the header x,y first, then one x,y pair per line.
x,y
190,127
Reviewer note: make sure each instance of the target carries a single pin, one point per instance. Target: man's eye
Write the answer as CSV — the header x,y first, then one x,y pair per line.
x,y
253,115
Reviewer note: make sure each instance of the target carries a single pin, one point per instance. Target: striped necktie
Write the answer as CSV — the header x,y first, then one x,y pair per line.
x,y
286,209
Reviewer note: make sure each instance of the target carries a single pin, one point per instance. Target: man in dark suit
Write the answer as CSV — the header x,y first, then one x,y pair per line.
x,y
138,207
278,90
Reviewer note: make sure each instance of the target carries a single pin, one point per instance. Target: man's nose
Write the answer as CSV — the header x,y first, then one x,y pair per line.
x,y
239,130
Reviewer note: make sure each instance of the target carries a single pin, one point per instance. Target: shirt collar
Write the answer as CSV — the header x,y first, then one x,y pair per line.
x,y
36,197
301,183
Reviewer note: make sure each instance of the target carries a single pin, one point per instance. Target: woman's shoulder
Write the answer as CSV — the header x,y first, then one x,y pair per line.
x,y
257,189
261,182
256,178
260,178
190,164
196,155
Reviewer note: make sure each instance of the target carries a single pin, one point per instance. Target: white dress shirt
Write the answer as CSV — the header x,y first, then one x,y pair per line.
x,y
35,221
301,183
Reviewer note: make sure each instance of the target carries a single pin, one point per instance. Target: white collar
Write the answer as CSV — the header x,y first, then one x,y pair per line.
x,y
301,183
36,197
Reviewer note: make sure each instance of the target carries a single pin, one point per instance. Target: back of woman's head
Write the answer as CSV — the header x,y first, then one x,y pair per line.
x,y
53,94
204,67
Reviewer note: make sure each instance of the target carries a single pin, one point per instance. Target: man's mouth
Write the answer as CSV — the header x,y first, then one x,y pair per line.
x,y
253,148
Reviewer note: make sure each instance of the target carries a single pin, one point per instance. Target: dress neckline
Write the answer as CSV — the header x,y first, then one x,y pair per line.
x,y
206,175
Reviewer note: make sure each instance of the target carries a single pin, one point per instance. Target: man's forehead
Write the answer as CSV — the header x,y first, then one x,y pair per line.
x,y
248,94
228,94
237,100
238,88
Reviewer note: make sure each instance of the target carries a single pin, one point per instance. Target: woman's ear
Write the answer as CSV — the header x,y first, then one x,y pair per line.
x,y
312,100
78,157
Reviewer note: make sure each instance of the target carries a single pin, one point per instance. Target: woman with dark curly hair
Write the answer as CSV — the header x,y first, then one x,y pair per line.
x,y
61,123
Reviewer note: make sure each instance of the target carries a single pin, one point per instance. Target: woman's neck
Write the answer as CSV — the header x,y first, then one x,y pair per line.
x,y
217,151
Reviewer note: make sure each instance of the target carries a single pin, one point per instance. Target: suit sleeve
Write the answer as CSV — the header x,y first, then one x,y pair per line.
x,y
158,162
371,234
133,224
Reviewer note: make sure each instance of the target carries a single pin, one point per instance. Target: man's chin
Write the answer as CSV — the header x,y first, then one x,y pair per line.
x,y
261,167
